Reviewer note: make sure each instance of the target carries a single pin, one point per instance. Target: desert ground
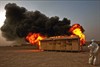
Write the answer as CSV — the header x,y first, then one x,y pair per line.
x,y
24,56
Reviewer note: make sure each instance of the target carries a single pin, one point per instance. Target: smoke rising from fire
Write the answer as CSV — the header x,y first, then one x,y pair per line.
x,y
19,22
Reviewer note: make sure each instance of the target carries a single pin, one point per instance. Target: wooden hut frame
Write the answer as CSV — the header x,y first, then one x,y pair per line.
x,y
62,44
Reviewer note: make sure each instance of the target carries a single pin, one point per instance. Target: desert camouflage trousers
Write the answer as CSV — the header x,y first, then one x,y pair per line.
x,y
93,58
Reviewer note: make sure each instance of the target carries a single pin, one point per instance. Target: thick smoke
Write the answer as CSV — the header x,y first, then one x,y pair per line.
x,y
19,22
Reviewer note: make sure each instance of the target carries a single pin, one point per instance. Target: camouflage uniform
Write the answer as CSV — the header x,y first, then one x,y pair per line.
x,y
93,52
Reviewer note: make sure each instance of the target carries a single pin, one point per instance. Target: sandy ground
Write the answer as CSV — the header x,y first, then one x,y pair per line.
x,y
27,57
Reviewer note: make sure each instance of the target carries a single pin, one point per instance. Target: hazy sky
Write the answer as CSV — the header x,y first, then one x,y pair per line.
x,y
86,13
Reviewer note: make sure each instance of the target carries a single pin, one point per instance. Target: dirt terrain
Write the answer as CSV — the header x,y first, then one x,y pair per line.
x,y
28,57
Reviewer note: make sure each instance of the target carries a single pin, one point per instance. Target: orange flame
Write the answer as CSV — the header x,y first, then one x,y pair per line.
x,y
34,39
76,30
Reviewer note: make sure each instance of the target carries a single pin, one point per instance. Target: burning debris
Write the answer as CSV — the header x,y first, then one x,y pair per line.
x,y
35,26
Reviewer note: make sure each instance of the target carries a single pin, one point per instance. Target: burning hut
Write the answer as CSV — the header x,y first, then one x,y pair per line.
x,y
61,43
35,27
73,42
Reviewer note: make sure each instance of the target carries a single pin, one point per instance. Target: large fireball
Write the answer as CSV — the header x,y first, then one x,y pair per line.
x,y
76,29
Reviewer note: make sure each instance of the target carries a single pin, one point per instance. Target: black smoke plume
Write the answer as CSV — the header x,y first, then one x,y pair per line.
x,y
19,22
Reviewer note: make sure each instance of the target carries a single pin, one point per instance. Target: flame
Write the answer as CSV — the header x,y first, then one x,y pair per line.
x,y
76,30
34,39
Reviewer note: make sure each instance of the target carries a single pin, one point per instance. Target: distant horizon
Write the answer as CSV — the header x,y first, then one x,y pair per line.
x,y
4,42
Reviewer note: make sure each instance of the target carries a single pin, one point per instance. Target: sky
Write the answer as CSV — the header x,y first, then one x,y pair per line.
x,y
86,13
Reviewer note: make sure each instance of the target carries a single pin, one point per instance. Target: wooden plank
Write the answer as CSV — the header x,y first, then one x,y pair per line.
x,y
75,45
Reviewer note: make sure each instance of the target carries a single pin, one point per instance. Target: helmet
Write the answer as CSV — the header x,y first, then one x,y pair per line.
x,y
92,40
